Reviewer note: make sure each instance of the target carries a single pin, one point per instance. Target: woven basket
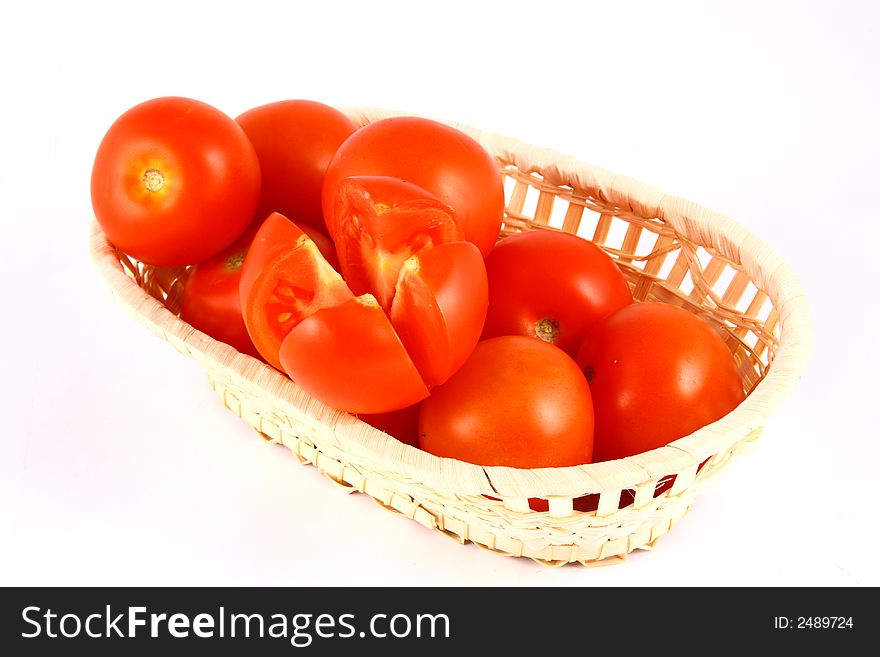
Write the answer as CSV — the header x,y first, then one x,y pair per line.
x,y
669,249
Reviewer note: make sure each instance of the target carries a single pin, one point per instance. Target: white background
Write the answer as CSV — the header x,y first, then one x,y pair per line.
x,y
118,465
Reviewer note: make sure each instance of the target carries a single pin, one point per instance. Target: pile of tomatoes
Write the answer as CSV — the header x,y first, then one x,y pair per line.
x,y
364,262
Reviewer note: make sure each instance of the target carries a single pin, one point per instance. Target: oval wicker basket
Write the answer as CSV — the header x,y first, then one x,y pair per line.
x,y
669,249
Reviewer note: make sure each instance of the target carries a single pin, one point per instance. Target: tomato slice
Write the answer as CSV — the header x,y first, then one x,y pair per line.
x,y
377,223
284,279
439,307
349,357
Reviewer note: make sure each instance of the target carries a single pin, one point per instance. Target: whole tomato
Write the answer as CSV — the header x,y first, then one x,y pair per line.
x,y
657,373
174,181
516,401
211,302
402,424
438,158
295,141
551,285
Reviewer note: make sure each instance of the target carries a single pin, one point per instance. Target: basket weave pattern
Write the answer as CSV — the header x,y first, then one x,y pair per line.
x,y
669,249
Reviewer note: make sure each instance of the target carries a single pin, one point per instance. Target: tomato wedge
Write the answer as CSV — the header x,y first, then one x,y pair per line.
x,y
377,223
439,307
284,279
349,357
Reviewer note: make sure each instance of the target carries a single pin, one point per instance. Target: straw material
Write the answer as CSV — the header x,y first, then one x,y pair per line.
x,y
669,249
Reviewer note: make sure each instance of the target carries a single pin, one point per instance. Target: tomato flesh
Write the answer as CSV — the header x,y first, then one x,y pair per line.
x,y
377,223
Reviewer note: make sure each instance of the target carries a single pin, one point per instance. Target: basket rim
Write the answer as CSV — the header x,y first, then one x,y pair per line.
x,y
764,267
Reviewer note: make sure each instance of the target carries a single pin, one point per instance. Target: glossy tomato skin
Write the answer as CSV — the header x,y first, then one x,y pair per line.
x,y
174,181
443,160
657,373
516,401
211,302
295,141
551,285
348,356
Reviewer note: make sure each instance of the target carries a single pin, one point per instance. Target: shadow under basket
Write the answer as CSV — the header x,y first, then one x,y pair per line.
x,y
669,249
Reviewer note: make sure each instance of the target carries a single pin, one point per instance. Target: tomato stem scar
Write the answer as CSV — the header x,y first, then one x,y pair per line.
x,y
153,180
235,261
547,330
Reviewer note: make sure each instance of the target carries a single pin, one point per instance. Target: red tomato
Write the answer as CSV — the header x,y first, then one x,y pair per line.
x,y
446,162
402,424
377,222
211,302
295,141
551,285
657,373
174,182
284,279
517,402
440,306
349,357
